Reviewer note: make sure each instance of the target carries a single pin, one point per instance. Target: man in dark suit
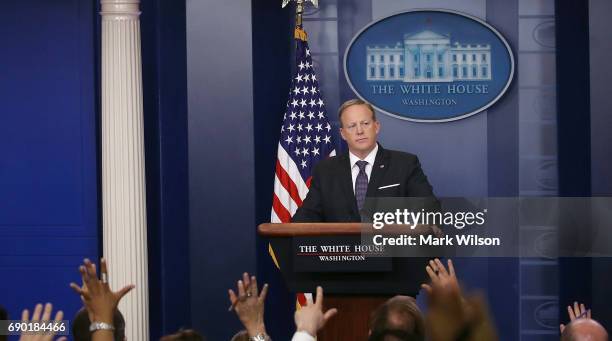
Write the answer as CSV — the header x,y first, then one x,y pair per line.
x,y
340,184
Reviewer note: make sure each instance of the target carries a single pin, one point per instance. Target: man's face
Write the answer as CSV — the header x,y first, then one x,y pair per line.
x,y
359,129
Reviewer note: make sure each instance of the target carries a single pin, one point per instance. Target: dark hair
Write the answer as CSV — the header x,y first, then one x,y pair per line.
x,y
184,335
3,316
241,336
80,326
398,318
3,313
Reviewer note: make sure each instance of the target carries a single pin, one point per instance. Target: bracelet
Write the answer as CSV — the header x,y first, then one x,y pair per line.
x,y
100,326
260,337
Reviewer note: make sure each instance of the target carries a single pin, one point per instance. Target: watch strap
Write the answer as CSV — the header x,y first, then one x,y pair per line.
x,y
100,326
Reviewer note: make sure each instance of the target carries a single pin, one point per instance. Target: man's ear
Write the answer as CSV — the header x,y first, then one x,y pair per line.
x,y
377,126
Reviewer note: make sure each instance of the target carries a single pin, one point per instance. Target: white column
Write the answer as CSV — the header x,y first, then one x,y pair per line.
x,y
449,63
123,169
407,62
489,63
468,63
479,65
434,72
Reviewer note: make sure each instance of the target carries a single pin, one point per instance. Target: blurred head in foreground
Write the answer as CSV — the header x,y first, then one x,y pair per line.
x,y
398,319
584,330
183,335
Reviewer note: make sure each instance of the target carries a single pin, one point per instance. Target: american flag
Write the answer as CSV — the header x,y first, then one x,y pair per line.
x,y
306,137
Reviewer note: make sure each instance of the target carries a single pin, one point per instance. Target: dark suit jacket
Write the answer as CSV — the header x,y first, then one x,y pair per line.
x,y
331,197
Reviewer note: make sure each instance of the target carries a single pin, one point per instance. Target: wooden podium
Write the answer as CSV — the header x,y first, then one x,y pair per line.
x,y
356,276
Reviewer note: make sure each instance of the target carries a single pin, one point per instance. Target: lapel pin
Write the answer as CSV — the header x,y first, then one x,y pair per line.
x,y
382,166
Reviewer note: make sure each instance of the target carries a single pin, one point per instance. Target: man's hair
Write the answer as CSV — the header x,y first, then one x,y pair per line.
x,y
80,326
184,335
355,101
241,336
3,316
398,318
3,313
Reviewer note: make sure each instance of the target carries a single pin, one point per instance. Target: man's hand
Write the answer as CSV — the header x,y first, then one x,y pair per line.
x,y
249,304
99,300
46,316
311,319
578,311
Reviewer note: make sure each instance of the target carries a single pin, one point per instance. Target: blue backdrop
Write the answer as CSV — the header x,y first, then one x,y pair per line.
x,y
48,168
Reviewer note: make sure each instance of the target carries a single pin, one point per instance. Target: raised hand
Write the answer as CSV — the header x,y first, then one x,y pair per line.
x,y
96,294
36,316
311,318
440,277
451,316
446,314
576,312
249,304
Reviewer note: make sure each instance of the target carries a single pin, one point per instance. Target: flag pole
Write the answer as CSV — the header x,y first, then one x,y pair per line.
x,y
294,166
299,32
299,9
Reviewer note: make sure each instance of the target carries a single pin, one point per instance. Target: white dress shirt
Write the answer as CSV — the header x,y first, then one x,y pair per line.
x,y
302,336
368,168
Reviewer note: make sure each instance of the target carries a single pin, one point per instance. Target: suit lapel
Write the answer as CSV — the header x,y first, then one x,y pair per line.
x,y
381,164
346,182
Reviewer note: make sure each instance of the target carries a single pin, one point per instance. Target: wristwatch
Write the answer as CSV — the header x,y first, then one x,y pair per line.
x,y
260,337
100,326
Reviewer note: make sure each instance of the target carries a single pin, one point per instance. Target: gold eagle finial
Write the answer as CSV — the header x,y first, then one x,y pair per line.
x,y
315,3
